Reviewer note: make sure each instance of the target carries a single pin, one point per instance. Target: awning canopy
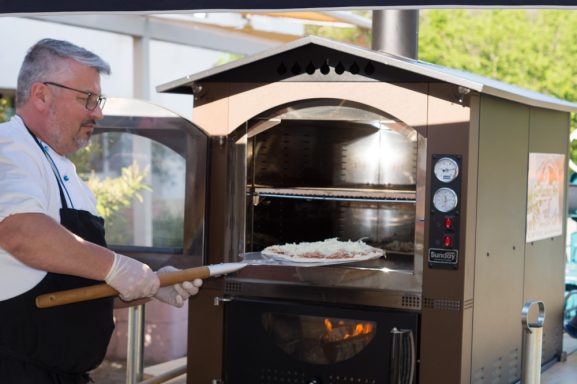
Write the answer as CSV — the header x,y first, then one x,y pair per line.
x,y
26,7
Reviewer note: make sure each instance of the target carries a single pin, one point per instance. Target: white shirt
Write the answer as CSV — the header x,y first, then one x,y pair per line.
x,y
28,185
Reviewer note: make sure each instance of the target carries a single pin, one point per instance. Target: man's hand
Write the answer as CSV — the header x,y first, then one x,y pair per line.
x,y
131,278
177,294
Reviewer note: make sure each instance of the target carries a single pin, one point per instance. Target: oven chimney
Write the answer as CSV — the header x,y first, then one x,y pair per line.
x,y
396,31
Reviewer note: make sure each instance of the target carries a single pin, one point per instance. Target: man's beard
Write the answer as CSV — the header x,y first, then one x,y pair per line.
x,y
81,142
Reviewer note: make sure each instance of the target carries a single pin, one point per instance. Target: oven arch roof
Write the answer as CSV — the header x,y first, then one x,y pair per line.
x,y
292,62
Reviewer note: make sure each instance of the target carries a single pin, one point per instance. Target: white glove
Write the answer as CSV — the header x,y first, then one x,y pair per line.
x,y
131,278
177,294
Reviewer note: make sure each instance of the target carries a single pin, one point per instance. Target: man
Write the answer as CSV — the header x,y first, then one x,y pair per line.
x,y
50,236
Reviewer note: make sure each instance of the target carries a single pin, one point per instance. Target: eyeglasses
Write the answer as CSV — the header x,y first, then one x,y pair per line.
x,y
92,100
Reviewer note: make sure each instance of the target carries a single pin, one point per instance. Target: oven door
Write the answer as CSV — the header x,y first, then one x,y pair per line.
x,y
148,166
270,342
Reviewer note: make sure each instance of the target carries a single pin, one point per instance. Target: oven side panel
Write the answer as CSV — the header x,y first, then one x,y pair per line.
x,y
446,310
205,324
500,240
545,259
205,336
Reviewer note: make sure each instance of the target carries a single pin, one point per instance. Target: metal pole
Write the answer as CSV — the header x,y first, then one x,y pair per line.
x,y
135,345
136,325
396,31
532,344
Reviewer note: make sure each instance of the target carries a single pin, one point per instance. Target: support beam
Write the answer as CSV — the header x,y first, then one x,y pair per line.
x,y
192,34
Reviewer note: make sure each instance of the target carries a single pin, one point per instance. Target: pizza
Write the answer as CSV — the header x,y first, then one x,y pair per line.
x,y
328,251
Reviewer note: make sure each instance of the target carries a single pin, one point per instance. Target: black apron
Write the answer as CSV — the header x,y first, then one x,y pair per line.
x,y
56,345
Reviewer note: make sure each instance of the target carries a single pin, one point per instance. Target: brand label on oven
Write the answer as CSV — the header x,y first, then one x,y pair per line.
x,y
439,257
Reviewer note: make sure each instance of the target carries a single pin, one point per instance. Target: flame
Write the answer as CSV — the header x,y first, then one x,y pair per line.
x,y
346,332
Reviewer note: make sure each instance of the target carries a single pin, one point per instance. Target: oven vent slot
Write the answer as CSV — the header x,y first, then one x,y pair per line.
x,y
411,302
275,376
349,379
445,304
324,67
278,376
231,288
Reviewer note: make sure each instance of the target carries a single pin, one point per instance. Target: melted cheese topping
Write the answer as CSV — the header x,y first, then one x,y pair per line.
x,y
326,248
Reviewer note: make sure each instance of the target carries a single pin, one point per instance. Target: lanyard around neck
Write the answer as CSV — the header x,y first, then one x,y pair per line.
x,y
56,172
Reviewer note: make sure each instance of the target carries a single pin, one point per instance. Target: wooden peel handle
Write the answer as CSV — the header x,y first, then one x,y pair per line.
x,y
99,291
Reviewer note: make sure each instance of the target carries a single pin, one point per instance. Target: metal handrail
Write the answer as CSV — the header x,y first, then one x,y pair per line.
x,y
165,376
135,344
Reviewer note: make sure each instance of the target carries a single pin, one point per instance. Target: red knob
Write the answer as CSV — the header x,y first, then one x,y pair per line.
x,y
447,241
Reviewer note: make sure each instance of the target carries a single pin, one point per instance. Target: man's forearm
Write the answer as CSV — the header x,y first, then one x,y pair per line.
x,y
40,242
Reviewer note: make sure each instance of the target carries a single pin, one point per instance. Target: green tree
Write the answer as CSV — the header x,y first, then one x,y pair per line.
x,y
4,109
113,194
533,49
352,35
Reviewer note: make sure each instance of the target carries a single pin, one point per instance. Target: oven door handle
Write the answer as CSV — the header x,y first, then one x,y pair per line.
x,y
402,363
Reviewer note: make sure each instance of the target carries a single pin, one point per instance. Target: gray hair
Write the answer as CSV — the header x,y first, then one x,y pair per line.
x,y
45,58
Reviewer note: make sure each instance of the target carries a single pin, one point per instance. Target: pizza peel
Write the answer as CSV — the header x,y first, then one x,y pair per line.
x,y
104,290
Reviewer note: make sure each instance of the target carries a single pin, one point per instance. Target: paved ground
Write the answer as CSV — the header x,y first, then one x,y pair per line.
x,y
114,372
563,372
110,372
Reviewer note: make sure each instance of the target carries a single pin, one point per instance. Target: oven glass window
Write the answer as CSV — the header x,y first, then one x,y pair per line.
x,y
139,187
317,339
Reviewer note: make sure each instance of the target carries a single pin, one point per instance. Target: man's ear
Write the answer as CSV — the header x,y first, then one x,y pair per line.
x,y
40,96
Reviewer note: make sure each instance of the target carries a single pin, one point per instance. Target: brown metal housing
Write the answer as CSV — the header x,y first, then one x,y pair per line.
x,y
470,313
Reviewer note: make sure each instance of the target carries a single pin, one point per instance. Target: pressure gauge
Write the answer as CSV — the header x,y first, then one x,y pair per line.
x,y
446,169
445,199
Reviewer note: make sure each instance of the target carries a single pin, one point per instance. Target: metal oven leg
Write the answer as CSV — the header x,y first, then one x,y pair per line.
x,y
532,343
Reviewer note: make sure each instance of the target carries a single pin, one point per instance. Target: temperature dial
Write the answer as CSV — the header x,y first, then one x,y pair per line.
x,y
446,169
445,199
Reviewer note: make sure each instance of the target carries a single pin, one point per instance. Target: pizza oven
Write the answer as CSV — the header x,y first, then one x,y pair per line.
x,y
317,140
320,169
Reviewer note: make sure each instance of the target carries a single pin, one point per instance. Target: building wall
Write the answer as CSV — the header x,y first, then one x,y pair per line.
x,y
167,61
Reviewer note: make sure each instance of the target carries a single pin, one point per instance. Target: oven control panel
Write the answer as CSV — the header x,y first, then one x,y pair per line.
x,y
445,211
